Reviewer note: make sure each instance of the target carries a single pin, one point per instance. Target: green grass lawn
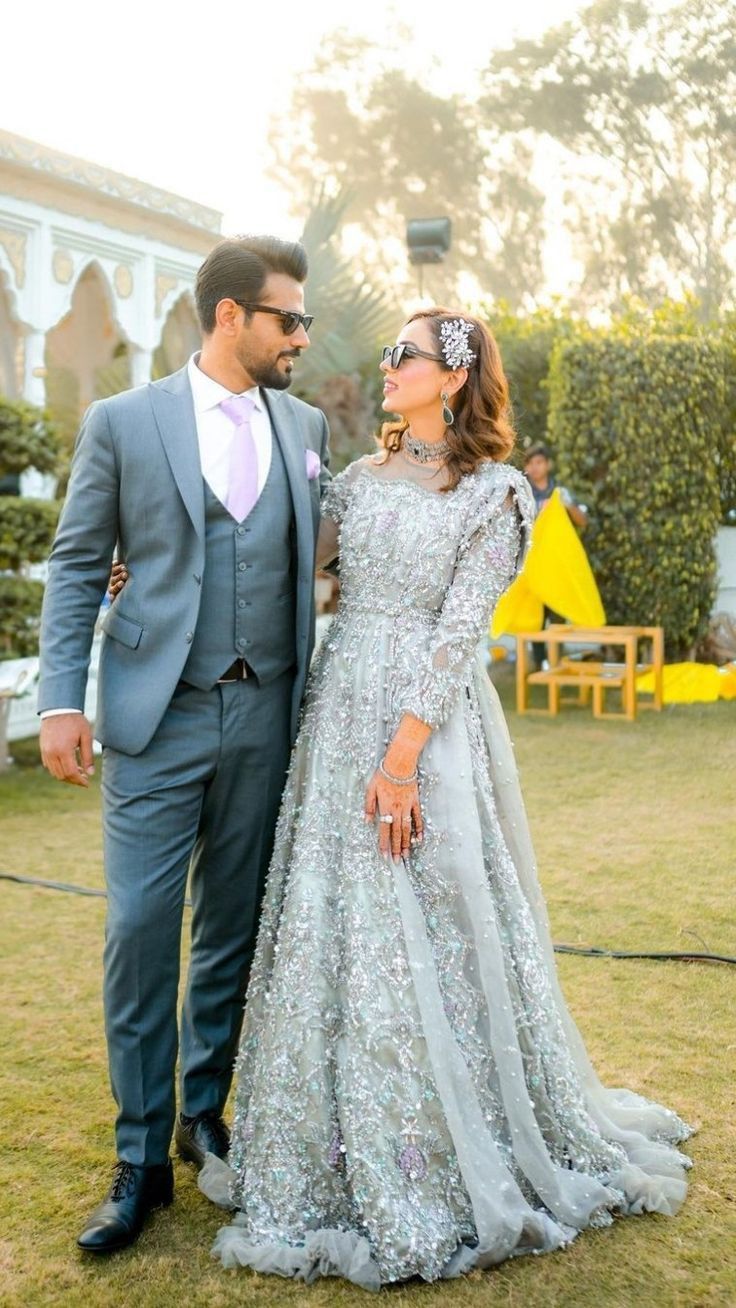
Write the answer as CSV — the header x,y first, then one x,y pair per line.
x,y
636,837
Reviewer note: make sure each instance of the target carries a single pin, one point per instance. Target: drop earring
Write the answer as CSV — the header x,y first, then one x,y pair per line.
x,y
448,416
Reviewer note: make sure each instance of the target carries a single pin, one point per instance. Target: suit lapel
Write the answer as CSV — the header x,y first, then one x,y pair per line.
x,y
173,409
287,433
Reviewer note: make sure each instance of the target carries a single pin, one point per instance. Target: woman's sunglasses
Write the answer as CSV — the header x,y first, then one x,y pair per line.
x,y
290,319
395,354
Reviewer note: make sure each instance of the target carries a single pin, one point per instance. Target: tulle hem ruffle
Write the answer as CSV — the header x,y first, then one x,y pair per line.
x,y
651,1181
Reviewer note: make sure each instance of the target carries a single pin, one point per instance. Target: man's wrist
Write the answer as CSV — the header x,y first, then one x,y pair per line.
x,y
57,713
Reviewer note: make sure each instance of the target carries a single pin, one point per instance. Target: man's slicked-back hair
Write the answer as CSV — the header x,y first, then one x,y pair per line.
x,y
237,269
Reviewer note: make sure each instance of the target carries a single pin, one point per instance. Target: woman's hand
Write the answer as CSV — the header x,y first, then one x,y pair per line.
x,y
393,792
399,815
118,578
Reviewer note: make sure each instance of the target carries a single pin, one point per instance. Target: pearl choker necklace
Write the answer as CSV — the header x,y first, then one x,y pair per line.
x,y
424,451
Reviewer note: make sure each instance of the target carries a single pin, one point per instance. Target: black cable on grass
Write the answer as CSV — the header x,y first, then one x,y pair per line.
x,y
595,952
592,952
61,885
52,885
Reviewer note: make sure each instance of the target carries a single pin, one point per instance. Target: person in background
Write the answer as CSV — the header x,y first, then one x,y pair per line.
x,y
538,472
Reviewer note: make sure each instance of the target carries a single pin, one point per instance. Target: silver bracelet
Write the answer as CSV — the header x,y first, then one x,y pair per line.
x,y
398,781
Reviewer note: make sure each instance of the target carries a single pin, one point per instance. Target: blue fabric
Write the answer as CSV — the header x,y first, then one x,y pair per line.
x,y
136,483
209,781
247,609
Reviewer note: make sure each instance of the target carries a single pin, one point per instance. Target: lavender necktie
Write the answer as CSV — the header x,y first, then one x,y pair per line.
x,y
242,490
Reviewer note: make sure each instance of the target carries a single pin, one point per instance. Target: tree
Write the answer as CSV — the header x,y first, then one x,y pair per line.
x,y
641,103
402,151
351,320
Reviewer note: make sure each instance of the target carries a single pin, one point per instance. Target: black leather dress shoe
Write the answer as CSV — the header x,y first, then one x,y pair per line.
x,y
134,1192
197,1136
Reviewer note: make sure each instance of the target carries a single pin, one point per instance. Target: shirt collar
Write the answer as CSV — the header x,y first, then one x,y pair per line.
x,y
208,393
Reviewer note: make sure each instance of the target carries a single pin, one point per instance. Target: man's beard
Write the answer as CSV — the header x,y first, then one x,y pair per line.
x,y
269,374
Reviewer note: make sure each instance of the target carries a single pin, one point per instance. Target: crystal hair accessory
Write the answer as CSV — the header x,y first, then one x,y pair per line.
x,y
454,335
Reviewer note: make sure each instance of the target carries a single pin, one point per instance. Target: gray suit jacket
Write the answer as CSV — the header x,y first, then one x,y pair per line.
x,y
136,483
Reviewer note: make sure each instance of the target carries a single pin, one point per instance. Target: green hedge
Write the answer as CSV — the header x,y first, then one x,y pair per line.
x,y
727,447
26,529
633,422
526,345
27,440
20,616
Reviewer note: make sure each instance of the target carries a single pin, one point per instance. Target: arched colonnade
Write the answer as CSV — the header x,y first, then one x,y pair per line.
x,y
97,273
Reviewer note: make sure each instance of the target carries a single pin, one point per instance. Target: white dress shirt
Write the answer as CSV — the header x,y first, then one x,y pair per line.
x,y
215,435
216,432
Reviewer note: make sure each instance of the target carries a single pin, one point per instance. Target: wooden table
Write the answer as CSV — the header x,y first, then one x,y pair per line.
x,y
597,677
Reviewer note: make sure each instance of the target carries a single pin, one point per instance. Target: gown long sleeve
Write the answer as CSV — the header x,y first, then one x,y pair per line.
x,y
488,559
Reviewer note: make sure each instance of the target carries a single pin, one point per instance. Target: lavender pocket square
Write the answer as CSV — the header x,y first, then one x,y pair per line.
x,y
313,464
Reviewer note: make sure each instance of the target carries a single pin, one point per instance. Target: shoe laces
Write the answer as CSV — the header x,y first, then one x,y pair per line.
x,y
122,1182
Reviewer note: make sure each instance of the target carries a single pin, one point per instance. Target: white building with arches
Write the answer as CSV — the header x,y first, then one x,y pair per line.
x,y
97,273
96,278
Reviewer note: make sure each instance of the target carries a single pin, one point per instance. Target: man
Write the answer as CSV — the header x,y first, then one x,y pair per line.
x,y
538,472
208,483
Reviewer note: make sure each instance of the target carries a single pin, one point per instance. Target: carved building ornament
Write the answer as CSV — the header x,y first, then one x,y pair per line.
x,y
14,245
164,284
123,281
62,265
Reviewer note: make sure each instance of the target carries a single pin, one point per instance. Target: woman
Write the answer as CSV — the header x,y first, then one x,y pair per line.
x,y
413,1097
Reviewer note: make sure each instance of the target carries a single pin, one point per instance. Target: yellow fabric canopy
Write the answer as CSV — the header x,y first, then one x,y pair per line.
x,y
556,573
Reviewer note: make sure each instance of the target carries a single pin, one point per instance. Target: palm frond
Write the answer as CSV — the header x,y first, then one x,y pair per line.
x,y
351,318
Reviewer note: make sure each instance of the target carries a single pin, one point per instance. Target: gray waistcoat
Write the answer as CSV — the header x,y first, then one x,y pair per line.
x,y
248,590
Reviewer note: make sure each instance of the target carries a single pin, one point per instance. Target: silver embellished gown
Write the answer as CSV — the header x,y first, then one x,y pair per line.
x,y
413,1097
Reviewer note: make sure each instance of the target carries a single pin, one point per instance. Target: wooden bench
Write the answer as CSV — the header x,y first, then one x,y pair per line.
x,y
596,676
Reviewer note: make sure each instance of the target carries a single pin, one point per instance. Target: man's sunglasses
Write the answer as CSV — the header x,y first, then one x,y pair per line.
x,y
289,317
395,354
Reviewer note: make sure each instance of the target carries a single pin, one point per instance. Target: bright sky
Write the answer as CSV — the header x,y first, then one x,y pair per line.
x,y
180,95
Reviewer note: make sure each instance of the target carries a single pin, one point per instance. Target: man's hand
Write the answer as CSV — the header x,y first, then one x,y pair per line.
x,y
66,748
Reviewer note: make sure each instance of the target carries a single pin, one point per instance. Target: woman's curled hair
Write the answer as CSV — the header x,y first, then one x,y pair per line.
x,y
483,428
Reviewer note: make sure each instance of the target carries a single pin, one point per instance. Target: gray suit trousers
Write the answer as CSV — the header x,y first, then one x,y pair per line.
x,y
204,792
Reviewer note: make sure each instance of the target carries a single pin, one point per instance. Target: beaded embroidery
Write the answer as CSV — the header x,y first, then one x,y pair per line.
x,y
341,1139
